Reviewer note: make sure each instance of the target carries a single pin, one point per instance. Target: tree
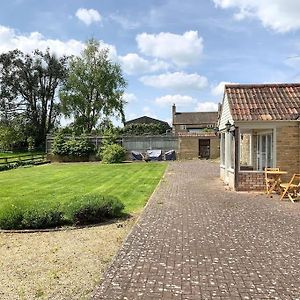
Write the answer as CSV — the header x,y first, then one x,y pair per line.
x,y
94,88
28,89
11,134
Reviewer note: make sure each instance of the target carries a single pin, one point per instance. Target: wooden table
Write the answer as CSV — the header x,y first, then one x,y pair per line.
x,y
275,175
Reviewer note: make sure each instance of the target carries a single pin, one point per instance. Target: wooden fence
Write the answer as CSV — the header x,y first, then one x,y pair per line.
x,y
21,158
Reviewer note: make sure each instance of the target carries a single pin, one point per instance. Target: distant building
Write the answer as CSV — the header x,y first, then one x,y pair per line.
x,y
193,121
196,133
147,120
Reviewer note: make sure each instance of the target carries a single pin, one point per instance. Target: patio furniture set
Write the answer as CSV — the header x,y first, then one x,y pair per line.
x,y
153,155
290,190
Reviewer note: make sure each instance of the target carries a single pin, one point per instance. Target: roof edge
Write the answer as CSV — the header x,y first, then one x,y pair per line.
x,y
196,112
260,85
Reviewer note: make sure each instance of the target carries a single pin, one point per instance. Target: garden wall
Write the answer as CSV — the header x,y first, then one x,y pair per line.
x,y
133,143
185,145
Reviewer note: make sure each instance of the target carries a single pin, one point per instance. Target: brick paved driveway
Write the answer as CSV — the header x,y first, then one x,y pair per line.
x,y
196,240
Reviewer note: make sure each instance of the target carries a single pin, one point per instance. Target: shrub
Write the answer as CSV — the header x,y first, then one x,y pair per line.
x,y
11,217
58,146
87,209
15,165
93,208
42,218
74,146
79,146
112,154
17,216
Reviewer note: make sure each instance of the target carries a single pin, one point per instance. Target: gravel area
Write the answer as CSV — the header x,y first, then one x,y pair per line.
x,y
57,265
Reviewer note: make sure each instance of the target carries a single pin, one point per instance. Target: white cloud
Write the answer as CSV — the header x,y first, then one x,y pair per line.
x,y
129,97
132,63
206,106
147,111
10,40
182,49
218,89
179,100
88,16
279,15
124,22
176,80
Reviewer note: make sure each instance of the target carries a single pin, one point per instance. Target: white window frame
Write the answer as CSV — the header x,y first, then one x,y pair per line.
x,y
260,136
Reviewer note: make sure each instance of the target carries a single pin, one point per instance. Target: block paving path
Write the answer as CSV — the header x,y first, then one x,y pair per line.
x,y
197,240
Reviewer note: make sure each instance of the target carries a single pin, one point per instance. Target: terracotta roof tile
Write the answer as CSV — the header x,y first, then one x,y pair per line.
x,y
264,101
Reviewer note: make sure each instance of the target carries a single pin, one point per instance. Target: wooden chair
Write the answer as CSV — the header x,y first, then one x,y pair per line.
x,y
269,180
292,188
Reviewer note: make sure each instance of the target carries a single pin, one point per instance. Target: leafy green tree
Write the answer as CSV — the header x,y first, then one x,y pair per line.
x,y
94,88
11,134
28,90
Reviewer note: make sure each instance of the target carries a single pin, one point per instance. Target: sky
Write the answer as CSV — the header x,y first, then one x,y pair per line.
x,y
170,51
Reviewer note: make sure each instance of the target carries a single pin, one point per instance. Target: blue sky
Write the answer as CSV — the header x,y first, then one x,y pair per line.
x,y
171,51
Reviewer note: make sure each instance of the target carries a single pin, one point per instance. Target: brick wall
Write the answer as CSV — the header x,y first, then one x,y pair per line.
x,y
288,150
251,181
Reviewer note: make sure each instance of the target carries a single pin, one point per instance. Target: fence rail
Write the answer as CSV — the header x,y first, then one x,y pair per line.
x,y
20,158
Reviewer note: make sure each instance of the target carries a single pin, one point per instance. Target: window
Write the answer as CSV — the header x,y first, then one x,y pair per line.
x,y
246,151
194,130
264,151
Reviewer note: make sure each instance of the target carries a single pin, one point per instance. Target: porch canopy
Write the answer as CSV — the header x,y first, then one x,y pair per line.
x,y
259,127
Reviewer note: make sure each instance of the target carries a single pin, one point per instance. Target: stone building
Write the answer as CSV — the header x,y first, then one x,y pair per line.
x,y
196,132
259,127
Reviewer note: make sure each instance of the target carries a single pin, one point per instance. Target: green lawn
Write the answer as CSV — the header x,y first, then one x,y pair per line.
x,y
59,183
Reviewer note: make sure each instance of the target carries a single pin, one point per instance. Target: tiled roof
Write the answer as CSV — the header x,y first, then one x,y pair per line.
x,y
264,101
195,118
